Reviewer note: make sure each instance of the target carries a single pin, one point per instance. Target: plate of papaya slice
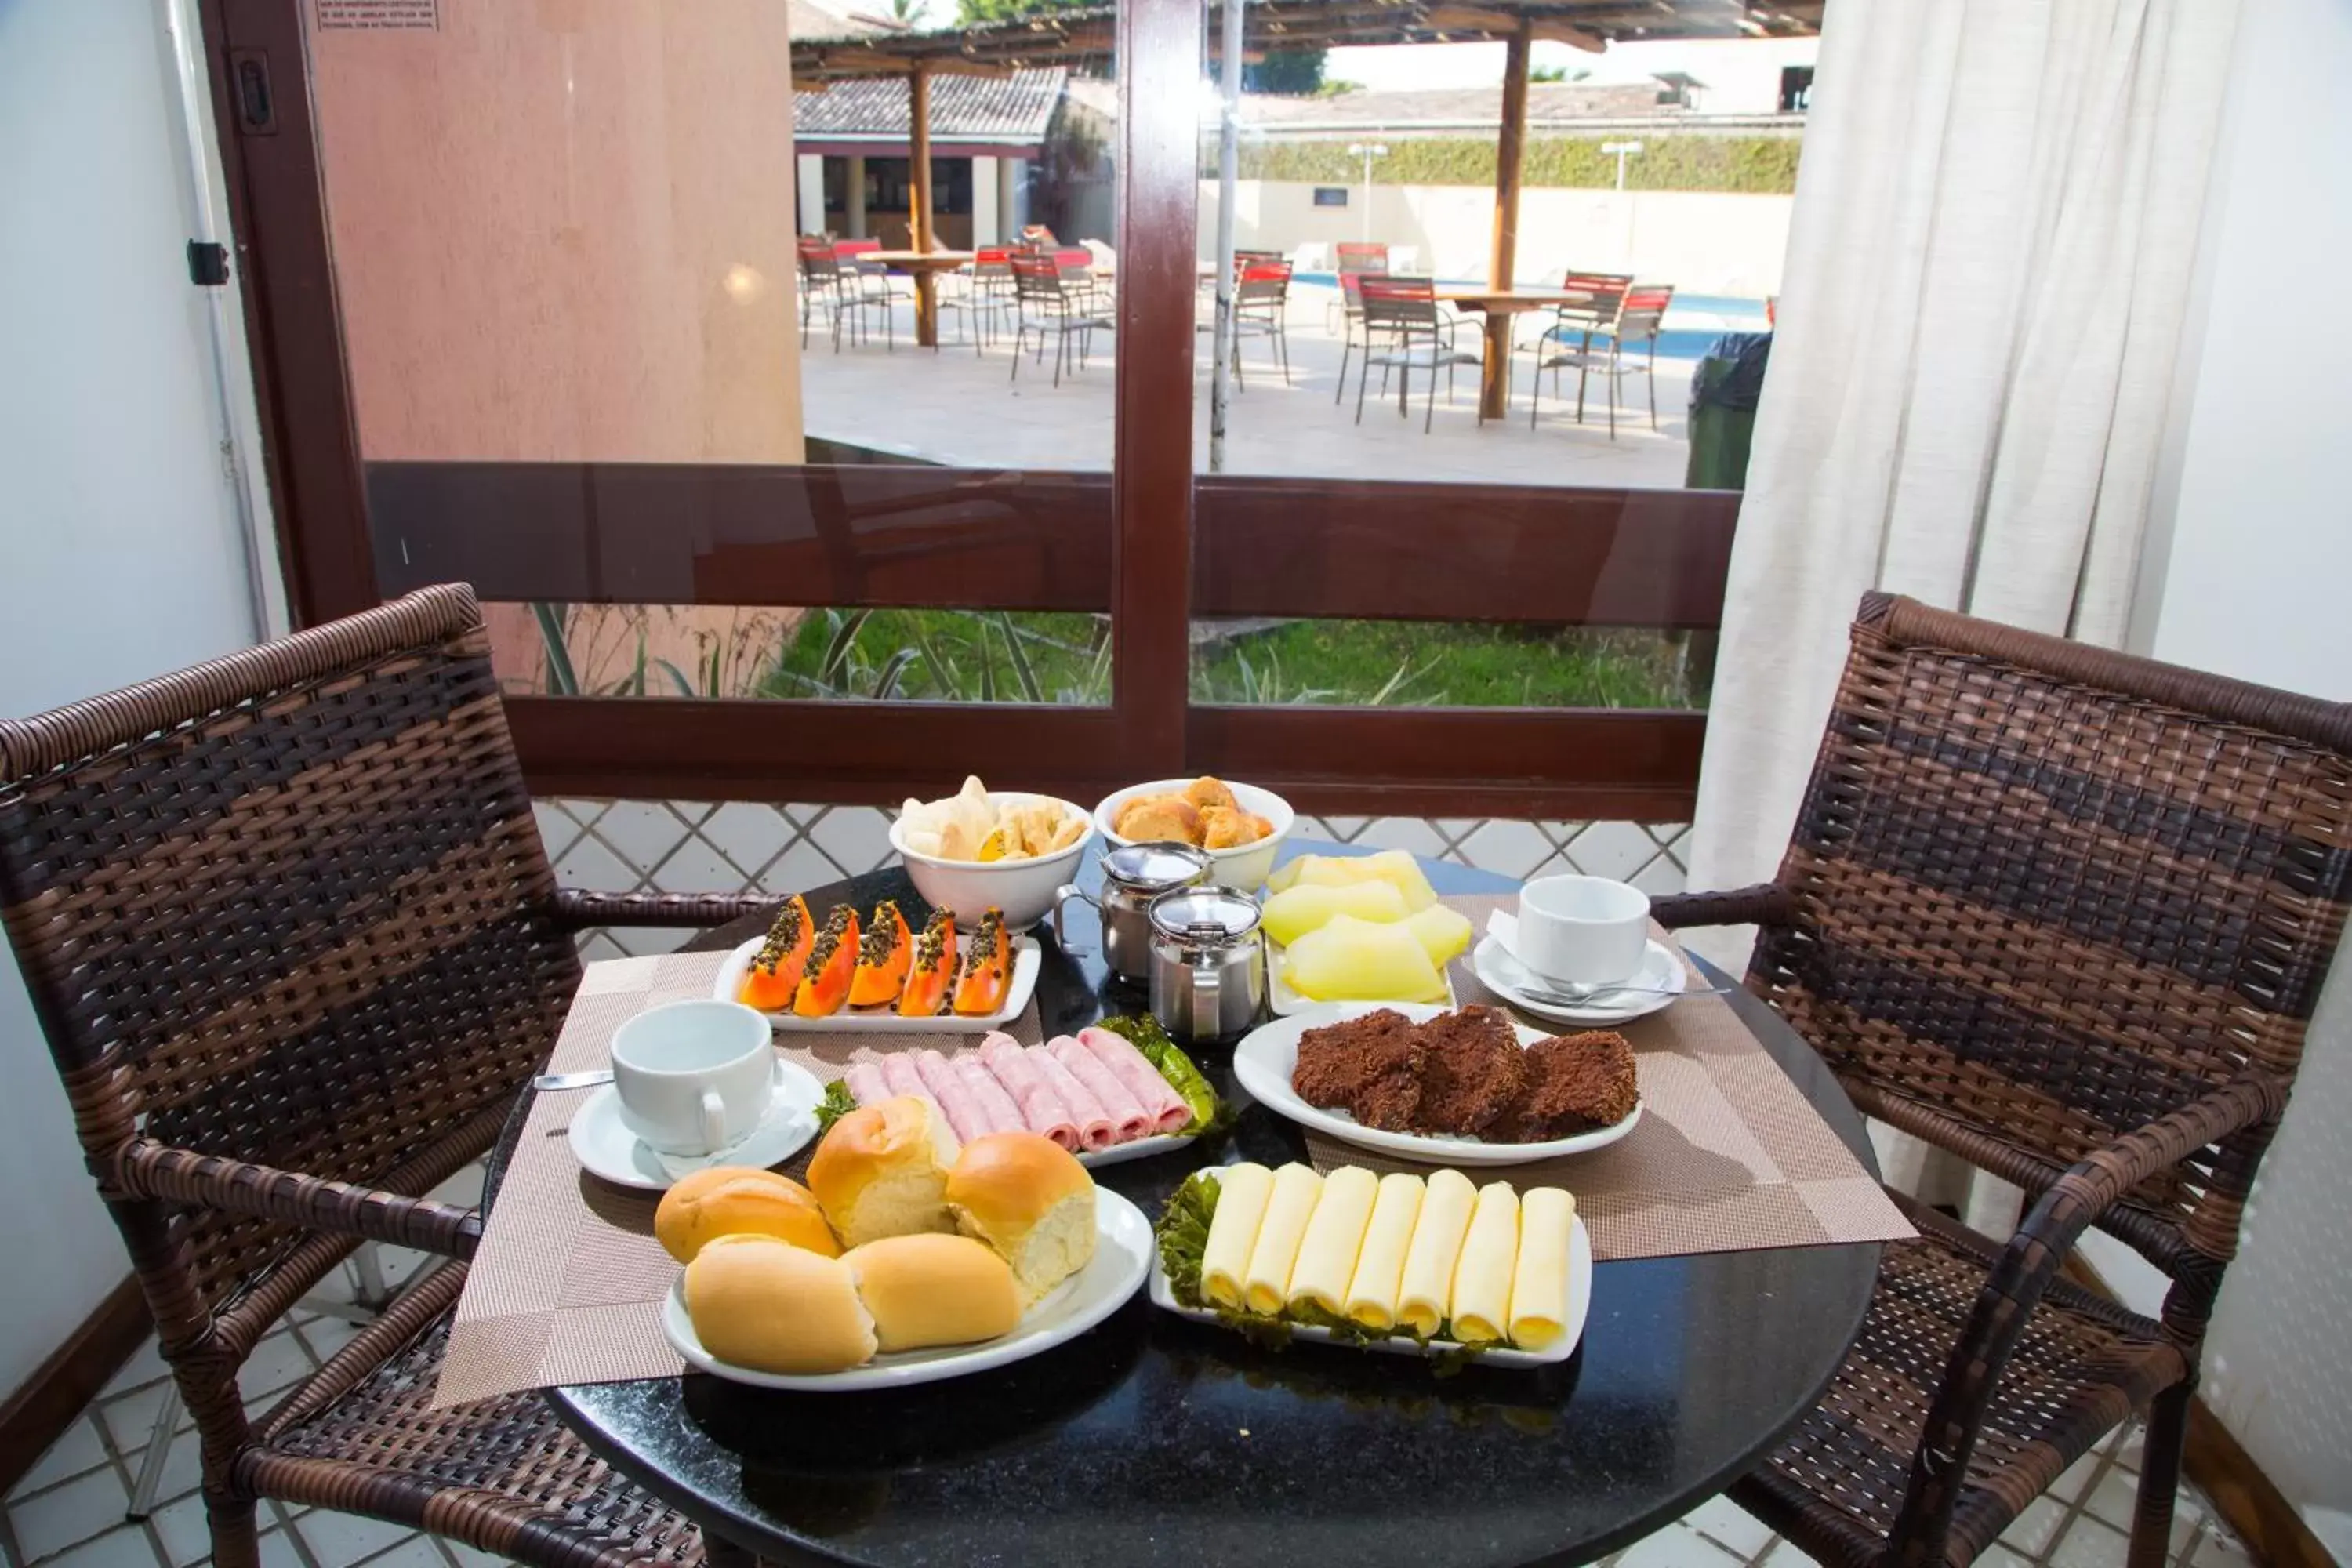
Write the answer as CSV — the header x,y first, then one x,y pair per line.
x,y
873,971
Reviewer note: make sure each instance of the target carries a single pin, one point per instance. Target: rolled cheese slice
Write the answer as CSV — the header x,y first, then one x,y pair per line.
x,y
1425,1289
1242,1192
1380,1264
1482,1279
1335,1234
1266,1284
1540,1279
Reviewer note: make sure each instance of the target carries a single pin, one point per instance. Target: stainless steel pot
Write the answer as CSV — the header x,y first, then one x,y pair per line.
x,y
1133,875
1208,963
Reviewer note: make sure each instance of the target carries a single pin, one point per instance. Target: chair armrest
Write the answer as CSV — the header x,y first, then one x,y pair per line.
x,y
2029,1263
577,910
150,1170
1764,904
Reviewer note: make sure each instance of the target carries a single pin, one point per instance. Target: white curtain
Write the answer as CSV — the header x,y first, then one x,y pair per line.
x,y
1986,284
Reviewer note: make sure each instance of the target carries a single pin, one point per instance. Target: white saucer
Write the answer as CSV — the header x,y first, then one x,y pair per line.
x,y
606,1149
1504,974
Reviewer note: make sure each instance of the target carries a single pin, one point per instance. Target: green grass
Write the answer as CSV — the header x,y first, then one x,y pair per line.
x,y
1445,664
1034,657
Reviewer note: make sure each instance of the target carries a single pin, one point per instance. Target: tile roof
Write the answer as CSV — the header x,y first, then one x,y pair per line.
x,y
1017,108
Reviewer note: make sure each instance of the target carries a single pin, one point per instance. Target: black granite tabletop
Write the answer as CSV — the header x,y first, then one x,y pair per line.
x,y
1152,1440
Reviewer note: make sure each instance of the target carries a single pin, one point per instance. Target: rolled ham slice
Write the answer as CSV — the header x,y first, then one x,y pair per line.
x,y
1167,1108
1097,1128
996,1107
902,1077
953,1095
1043,1110
866,1084
1128,1118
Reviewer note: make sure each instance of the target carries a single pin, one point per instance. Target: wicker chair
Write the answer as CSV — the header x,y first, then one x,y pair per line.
x,y
2065,913
290,932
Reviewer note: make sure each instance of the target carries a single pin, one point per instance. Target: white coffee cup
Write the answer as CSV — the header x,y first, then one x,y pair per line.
x,y
693,1076
1587,931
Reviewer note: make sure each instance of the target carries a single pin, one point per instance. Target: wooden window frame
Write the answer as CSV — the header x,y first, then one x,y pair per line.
x,y
1178,544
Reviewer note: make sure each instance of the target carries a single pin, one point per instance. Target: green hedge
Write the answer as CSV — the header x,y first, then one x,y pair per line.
x,y
1758,165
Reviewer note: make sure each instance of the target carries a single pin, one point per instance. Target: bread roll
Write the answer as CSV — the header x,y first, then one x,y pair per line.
x,y
882,1170
765,1304
736,1200
933,1291
1028,1198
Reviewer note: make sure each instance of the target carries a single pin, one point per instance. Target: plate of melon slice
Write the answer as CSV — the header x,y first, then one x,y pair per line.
x,y
1357,928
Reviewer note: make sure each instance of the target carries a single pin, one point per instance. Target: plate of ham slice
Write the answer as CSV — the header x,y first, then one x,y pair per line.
x,y
1092,1092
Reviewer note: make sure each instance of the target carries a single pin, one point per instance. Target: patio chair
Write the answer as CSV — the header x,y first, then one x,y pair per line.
x,y
844,294
1356,261
2063,913
1405,332
853,254
295,945
1602,346
986,301
1261,308
1055,307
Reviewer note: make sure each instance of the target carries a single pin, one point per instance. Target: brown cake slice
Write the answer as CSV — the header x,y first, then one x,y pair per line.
x,y
1370,1066
1474,1073
1574,1083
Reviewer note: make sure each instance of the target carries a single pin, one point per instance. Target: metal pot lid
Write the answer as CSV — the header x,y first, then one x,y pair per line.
x,y
1205,917
1152,867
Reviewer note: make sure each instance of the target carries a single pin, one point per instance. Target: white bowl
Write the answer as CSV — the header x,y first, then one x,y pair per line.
x,y
1246,866
1023,889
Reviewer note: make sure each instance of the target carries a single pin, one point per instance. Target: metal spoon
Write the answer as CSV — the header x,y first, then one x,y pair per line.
x,y
592,1078
1578,995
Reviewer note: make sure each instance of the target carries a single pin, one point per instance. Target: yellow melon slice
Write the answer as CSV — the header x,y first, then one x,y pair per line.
x,y
1296,911
1351,959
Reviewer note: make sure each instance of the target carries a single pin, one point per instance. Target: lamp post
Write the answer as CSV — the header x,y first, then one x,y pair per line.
x,y
1623,149
1367,150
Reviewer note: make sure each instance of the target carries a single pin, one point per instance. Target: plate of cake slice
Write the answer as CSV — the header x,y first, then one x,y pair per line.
x,y
1447,1085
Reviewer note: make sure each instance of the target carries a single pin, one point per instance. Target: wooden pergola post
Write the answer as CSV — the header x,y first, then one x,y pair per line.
x,y
1510,153
919,224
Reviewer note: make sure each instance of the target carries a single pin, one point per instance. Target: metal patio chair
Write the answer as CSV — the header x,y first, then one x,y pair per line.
x,y
1602,346
986,302
844,294
2063,913
1261,309
1405,332
1357,261
1055,308
295,945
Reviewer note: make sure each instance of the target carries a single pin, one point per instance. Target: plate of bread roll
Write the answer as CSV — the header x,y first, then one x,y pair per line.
x,y
907,1257
1395,1263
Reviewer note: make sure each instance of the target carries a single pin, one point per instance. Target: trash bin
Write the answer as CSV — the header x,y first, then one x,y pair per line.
x,y
1724,390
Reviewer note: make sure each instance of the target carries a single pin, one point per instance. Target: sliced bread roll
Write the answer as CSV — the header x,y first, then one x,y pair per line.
x,y
883,1170
933,1291
1028,1198
765,1304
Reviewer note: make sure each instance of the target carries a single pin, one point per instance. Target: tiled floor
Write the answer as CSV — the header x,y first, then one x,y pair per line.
x,y
69,1512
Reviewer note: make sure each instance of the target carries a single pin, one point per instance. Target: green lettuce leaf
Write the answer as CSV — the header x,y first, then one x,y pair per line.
x,y
837,1103
1184,1235
1144,1032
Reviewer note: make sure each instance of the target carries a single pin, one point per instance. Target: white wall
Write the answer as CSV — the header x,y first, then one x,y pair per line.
x,y
120,550
1702,242
2255,586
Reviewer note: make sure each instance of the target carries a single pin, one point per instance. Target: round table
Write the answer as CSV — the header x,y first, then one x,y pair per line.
x,y
1155,1440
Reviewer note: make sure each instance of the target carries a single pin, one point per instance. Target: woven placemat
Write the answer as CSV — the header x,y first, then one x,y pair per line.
x,y
567,1284
1728,1154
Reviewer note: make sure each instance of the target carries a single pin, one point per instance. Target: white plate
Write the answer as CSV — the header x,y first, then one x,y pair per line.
x,y
1281,1001
1579,1304
1119,1153
1123,1254
1504,974
1264,1059
606,1149
1028,960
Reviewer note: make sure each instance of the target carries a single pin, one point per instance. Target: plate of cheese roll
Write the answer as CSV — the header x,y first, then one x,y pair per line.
x,y
908,1256
1436,1267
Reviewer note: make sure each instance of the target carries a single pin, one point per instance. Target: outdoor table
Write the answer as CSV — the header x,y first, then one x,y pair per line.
x,y
925,266
1499,306
1155,1440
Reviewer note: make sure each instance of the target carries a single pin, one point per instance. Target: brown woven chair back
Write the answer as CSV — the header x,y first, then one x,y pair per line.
x,y
2045,894
287,908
